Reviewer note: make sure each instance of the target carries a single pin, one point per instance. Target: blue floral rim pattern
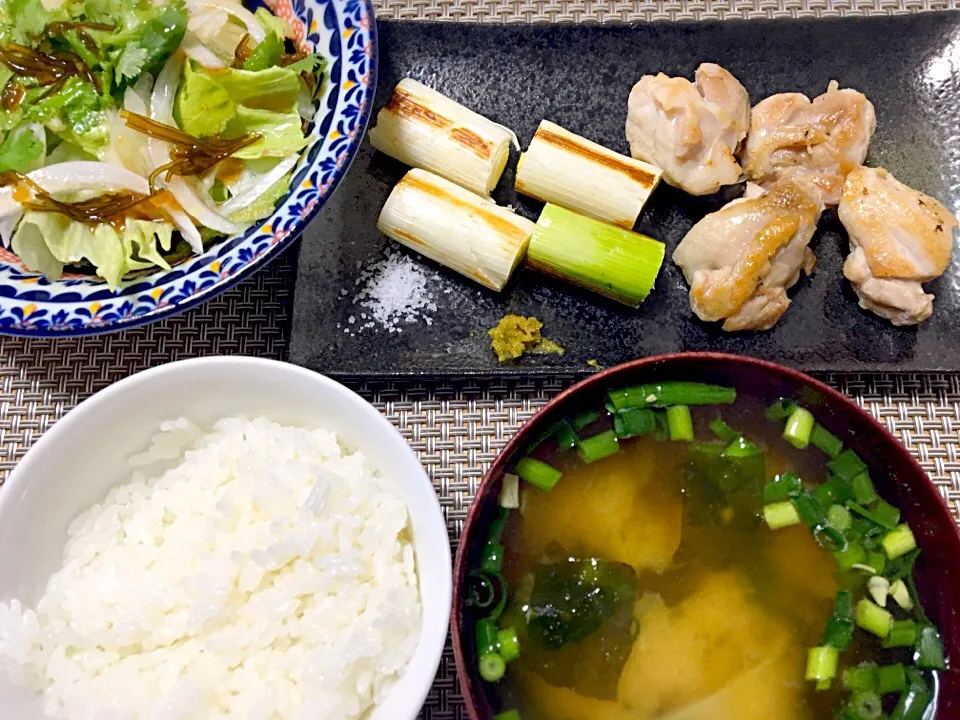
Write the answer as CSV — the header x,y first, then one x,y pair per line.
x,y
343,31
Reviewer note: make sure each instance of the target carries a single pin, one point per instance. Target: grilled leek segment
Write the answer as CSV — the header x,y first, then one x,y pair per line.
x,y
607,259
457,228
567,170
425,129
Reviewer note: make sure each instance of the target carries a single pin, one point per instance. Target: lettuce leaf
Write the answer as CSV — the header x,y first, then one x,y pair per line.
x,y
275,88
48,241
202,107
274,24
263,103
280,134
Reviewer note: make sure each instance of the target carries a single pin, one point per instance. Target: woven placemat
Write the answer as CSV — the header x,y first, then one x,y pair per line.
x,y
456,427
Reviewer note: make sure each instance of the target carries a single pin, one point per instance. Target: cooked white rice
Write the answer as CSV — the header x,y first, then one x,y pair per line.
x,y
268,575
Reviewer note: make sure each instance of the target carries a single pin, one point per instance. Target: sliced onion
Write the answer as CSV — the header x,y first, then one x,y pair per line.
x,y
253,192
191,202
187,228
88,174
254,27
196,50
207,22
65,177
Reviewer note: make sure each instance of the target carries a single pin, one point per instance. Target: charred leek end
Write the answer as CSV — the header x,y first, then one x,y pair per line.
x,y
568,170
467,233
428,130
614,262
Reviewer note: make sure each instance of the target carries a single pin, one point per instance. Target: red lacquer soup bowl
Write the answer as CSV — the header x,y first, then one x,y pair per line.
x,y
897,476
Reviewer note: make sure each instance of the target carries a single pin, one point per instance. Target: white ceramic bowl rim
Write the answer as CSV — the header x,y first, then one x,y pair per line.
x,y
407,696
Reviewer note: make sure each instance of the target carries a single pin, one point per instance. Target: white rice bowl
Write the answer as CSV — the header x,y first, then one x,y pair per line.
x,y
265,575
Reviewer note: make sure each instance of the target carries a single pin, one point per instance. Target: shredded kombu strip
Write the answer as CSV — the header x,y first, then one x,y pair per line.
x,y
100,209
80,27
189,155
49,70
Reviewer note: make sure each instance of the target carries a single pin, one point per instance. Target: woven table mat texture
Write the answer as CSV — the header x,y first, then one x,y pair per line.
x,y
551,11
457,427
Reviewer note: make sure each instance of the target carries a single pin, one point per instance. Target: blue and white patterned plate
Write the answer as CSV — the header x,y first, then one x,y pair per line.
x,y
344,32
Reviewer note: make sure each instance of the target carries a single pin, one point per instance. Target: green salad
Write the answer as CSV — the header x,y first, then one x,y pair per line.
x,y
133,132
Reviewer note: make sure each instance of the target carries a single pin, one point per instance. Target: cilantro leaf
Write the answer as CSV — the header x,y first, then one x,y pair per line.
x,y
20,150
162,36
131,63
266,54
311,63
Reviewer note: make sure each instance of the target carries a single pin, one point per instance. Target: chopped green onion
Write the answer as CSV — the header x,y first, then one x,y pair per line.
x,y
566,437
783,486
860,678
877,561
537,473
899,541
492,667
847,465
742,448
901,568
866,705
672,393
915,700
631,422
879,588
509,644
852,554
799,427
598,447
863,490
884,514
486,632
903,633
811,512
510,492
891,679
838,633
780,515
508,715
839,629
823,685
585,418
874,619
781,409
723,431
614,262
839,517
826,441
834,491
822,663
901,595
679,422
491,557
930,655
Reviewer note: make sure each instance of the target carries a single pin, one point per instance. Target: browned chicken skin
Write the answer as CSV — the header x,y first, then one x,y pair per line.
x,y
899,238
827,136
690,130
741,260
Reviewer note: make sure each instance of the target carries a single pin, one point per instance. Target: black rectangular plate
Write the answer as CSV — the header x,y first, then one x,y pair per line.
x,y
580,77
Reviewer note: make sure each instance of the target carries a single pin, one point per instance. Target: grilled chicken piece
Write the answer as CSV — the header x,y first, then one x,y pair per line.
x,y
691,131
899,238
740,260
828,136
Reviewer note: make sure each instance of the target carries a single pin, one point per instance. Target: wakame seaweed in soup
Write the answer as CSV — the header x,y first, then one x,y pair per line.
x,y
684,554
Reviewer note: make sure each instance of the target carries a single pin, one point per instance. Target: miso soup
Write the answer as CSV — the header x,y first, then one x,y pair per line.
x,y
699,562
